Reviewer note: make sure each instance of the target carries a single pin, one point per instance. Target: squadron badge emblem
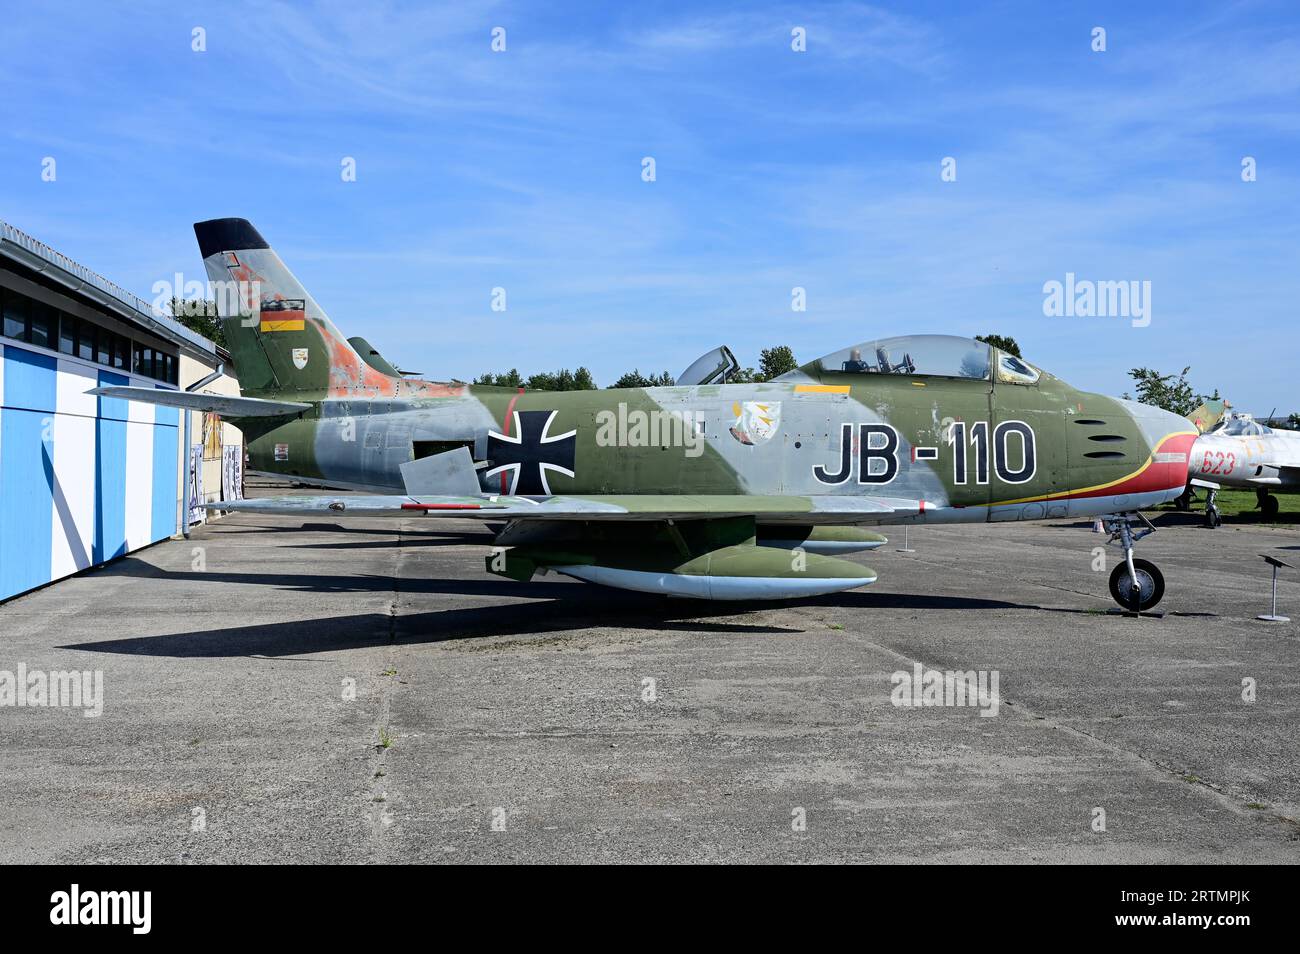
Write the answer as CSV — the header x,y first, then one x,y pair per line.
x,y
756,421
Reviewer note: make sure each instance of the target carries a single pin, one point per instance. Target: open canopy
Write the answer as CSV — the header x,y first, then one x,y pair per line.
x,y
712,367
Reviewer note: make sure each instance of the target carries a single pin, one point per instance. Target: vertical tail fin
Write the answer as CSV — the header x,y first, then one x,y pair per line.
x,y
282,342
1209,413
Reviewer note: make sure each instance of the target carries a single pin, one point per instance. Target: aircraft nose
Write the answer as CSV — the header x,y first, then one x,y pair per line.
x,y
1169,441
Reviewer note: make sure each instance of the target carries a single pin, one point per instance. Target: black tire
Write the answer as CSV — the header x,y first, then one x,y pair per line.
x,y
1150,580
1213,518
1183,502
1268,507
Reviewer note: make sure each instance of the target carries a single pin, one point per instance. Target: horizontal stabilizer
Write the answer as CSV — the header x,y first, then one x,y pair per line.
x,y
190,401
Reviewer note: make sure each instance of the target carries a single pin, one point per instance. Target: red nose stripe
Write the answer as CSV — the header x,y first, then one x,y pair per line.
x,y
1167,471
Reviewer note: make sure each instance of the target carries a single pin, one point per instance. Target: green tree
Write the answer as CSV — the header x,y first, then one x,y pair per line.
x,y
511,379
776,361
1174,394
772,362
635,379
1002,342
199,316
561,380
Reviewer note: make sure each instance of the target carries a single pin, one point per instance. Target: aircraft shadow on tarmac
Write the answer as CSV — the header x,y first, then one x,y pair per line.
x,y
570,606
555,587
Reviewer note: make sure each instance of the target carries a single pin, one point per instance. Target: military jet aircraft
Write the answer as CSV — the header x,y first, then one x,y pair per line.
x,y
1239,451
707,489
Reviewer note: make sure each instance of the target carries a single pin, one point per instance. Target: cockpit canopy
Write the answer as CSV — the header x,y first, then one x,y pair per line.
x,y
929,355
1240,425
712,367
914,354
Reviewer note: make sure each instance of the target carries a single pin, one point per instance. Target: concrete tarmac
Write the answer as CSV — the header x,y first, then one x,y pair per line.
x,y
363,691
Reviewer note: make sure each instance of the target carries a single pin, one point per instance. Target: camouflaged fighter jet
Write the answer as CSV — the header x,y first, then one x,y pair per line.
x,y
704,489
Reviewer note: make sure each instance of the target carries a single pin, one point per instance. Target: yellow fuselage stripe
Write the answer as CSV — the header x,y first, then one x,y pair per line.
x,y
822,388
1084,490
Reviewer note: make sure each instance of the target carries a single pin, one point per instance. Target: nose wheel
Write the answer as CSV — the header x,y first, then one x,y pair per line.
x,y
1136,585
1150,588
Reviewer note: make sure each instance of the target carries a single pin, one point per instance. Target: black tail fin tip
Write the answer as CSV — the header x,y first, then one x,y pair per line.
x,y
227,235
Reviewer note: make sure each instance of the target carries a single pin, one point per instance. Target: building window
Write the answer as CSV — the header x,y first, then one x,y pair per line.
x,y
40,324
104,349
16,308
45,325
67,334
86,340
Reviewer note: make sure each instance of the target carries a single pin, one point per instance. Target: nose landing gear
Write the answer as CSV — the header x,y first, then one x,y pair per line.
x,y
1212,516
1136,585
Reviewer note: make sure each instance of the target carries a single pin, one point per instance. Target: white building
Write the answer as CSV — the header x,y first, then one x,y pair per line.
x,y
85,479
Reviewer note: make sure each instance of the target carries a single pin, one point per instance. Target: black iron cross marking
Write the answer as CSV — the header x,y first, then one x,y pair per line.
x,y
529,452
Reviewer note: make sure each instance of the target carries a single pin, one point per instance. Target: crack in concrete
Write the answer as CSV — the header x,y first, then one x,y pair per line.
x,y
378,814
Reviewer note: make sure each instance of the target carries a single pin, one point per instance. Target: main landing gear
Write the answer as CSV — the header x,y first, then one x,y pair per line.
x,y
1212,516
1136,585
1267,504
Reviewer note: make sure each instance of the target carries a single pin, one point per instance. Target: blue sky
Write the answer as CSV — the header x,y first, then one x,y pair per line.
x,y
775,169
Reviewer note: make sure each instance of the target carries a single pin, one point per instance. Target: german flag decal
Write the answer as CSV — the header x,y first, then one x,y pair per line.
x,y
283,314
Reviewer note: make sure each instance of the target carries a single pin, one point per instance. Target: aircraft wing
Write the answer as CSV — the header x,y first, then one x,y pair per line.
x,y
640,507
1276,474
191,401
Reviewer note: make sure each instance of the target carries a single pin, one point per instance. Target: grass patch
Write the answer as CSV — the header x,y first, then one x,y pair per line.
x,y
1241,506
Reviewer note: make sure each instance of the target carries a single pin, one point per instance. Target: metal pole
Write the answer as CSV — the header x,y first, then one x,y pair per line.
x,y
1273,616
185,482
189,453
